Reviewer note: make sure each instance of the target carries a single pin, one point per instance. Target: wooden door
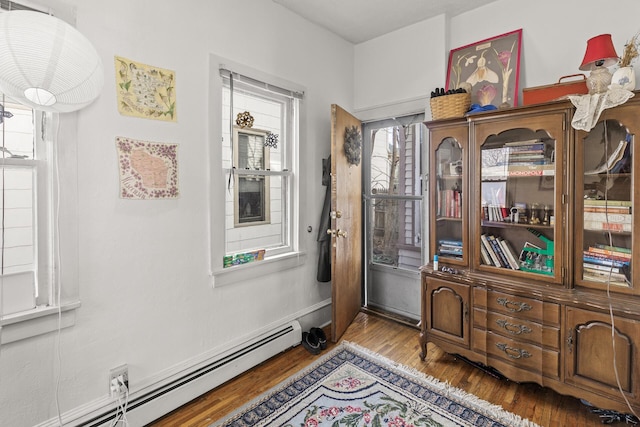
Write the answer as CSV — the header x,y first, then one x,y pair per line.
x,y
346,225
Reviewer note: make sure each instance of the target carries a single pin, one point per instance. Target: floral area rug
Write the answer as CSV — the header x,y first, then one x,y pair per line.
x,y
352,386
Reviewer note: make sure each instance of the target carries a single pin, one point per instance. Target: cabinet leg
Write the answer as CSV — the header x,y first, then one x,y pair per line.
x,y
423,346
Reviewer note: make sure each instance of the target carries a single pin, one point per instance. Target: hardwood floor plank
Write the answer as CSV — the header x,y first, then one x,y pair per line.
x,y
400,343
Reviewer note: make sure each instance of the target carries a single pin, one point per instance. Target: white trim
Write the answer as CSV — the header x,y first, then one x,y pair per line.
x,y
252,270
40,320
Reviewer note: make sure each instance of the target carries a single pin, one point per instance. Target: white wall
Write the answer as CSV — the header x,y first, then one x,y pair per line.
x,y
144,266
555,35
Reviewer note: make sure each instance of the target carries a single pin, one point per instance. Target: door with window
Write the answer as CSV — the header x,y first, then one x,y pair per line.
x,y
392,161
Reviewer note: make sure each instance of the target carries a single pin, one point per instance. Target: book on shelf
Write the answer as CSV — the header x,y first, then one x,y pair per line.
x,y
613,248
607,226
608,209
600,267
486,259
450,242
525,142
604,202
511,257
498,250
610,260
614,218
603,276
495,261
615,252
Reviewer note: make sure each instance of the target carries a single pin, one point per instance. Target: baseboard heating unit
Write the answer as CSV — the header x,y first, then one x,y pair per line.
x,y
148,405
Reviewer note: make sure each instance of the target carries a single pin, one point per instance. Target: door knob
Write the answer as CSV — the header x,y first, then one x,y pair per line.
x,y
335,214
331,232
341,233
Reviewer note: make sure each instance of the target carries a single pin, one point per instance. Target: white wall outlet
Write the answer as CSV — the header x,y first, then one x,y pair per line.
x,y
118,381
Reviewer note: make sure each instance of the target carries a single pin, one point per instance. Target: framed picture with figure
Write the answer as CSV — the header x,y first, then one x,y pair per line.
x,y
489,69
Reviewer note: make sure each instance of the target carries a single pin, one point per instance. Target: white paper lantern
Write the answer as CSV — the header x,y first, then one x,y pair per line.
x,y
47,64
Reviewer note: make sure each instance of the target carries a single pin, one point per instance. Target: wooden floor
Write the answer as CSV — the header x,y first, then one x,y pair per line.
x,y
400,343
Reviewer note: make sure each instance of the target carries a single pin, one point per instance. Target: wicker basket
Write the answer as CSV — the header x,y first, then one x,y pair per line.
x,y
450,106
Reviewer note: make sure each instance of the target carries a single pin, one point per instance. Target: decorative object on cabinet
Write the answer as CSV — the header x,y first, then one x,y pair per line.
x,y
590,107
46,63
599,55
567,316
625,76
449,104
491,67
556,91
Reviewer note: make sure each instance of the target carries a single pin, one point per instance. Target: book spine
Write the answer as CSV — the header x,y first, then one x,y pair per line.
x,y
486,259
607,226
610,252
613,248
601,267
608,209
494,257
450,242
610,217
597,202
509,254
496,247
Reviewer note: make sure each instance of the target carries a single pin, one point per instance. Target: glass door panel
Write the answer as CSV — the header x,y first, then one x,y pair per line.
x,y
518,182
448,199
607,218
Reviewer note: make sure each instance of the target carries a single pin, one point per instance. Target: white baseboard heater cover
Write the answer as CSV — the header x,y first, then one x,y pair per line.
x,y
146,407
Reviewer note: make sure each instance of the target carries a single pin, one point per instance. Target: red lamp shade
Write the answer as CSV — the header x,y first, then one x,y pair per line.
x,y
599,48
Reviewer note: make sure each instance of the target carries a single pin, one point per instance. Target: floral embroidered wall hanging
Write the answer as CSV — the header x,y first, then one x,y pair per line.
x,y
148,170
145,91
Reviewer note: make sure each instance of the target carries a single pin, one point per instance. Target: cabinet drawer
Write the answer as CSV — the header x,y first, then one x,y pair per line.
x,y
523,355
517,329
523,307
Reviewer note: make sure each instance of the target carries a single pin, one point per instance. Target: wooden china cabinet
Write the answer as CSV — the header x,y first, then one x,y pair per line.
x,y
533,223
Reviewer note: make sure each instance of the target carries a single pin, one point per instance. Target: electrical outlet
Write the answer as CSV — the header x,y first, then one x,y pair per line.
x,y
118,381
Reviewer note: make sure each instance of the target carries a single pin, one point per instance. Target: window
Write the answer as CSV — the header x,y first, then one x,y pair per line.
x,y
251,199
259,159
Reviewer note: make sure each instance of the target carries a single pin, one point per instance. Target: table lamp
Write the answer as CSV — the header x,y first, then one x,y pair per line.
x,y
600,54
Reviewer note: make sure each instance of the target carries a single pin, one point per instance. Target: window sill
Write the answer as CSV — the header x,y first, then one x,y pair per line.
x,y
257,269
40,320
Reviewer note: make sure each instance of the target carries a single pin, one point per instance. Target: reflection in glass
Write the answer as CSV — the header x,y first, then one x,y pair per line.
x,y
607,204
395,206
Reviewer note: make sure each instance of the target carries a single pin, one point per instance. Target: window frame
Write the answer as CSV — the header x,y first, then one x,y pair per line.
x,y
54,305
290,256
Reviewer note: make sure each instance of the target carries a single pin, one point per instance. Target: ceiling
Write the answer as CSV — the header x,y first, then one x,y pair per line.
x,y
361,20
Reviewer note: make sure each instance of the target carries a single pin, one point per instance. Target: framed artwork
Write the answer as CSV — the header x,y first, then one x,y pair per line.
x,y
490,69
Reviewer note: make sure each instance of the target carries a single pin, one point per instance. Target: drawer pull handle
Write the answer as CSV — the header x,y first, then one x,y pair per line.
x,y
514,306
512,328
514,353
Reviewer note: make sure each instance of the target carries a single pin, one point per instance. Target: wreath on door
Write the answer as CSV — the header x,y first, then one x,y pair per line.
x,y
352,144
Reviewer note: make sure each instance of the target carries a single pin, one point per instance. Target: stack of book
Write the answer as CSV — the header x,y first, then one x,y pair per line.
x,y
607,215
526,153
449,204
603,263
450,248
497,252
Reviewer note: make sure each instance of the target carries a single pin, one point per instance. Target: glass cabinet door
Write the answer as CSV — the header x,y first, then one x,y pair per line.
x,y
518,196
604,206
448,209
